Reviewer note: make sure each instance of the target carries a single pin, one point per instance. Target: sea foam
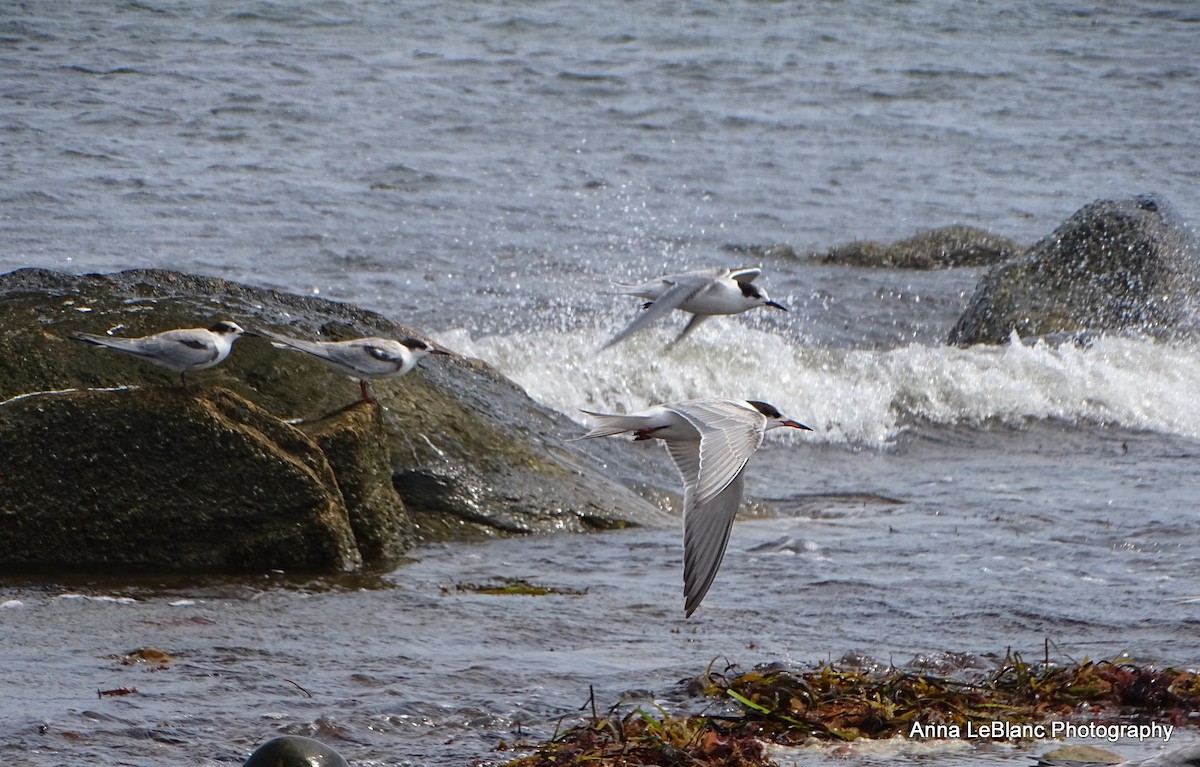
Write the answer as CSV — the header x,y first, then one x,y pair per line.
x,y
859,397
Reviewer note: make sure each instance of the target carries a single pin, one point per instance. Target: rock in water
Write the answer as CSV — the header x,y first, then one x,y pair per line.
x,y
165,478
1114,265
294,751
944,248
465,450
355,442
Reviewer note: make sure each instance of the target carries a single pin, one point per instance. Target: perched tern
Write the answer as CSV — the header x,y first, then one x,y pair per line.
x,y
182,351
362,358
710,441
702,293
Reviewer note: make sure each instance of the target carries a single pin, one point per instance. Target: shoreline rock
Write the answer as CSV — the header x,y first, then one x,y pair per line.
x,y
165,477
478,456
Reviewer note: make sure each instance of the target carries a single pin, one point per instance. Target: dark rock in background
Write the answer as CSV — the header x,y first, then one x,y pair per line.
x,y
1114,265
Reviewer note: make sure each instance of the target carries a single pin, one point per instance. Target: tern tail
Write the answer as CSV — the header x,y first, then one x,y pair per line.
x,y
607,425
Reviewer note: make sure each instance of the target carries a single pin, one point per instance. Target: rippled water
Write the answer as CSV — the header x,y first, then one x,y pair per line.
x,y
483,171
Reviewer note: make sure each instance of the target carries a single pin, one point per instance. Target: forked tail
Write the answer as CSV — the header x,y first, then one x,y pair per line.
x,y
607,425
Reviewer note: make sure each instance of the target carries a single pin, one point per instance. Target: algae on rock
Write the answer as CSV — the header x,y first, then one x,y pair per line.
x,y
165,478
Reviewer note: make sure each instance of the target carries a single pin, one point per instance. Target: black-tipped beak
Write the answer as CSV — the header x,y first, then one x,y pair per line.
x,y
796,425
439,351
775,304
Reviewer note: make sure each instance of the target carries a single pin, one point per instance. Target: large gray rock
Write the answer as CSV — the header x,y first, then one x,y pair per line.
x,y
1114,265
468,452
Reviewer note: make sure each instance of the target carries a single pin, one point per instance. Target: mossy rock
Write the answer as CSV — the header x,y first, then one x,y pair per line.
x,y
468,453
164,477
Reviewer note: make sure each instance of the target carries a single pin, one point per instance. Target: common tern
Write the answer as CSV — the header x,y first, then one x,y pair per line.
x,y
362,358
182,351
703,294
710,441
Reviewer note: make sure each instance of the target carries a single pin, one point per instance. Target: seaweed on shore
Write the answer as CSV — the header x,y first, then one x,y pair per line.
x,y
829,703
787,706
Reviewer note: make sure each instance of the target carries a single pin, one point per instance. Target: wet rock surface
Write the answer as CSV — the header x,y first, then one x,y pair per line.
x,y
477,455
165,477
1113,266
294,751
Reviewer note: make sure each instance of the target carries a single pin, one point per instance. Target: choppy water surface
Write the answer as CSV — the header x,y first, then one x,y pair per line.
x,y
483,171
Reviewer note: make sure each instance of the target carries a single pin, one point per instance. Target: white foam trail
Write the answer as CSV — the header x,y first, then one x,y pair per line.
x,y
858,397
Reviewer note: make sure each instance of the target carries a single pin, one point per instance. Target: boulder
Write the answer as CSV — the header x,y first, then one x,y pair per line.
x,y
1114,265
355,442
466,452
164,477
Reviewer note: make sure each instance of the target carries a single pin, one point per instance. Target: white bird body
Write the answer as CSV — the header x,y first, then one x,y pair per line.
x,y
710,442
182,351
703,293
362,358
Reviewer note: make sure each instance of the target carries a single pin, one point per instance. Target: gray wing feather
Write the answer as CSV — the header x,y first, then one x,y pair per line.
x,y
693,323
745,275
685,288
729,435
705,537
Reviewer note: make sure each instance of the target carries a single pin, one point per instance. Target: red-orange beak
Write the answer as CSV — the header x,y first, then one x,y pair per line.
x,y
795,425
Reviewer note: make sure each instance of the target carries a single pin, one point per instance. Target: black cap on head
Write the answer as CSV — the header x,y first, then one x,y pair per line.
x,y
749,291
225,326
766,408
415,343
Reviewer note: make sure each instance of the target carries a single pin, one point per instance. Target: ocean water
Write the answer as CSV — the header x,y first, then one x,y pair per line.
x,y
485,172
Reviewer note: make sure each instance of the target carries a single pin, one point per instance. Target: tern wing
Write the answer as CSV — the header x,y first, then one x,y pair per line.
x,y
299,344
684,288
367,356
693,323
745,275
363,357
705,537
175,349
729,435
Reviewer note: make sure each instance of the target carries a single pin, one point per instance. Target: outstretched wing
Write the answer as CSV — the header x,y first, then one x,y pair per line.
x,y
685,287
748,274
705,538
729,435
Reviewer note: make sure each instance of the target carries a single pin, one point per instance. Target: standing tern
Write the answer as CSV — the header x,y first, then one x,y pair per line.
x,y
710,441
702,293
182,351
362,358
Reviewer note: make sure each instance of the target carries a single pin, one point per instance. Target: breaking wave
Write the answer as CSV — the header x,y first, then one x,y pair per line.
x,y
860,397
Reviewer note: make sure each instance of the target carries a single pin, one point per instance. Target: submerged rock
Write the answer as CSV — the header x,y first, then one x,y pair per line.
x,y
946,247
1077,754
1114,265
465,451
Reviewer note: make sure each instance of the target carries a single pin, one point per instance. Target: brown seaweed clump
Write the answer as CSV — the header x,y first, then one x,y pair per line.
x,y
833,704
789,707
